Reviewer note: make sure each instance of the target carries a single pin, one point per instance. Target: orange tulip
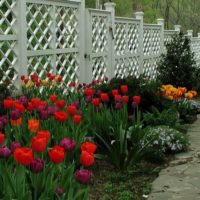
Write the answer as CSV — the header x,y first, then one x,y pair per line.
x,y
33,125
16,122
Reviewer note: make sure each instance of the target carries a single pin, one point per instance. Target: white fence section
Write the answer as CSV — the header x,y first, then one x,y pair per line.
x,y
77,43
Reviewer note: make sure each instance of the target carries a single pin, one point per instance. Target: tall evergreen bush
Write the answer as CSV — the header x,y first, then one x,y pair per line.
x,y
177,65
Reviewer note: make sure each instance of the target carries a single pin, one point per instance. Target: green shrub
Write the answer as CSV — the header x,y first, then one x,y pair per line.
x,y
168,117
178,66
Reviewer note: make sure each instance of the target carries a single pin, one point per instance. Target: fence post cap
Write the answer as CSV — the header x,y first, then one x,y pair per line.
x,y
160,21
110,4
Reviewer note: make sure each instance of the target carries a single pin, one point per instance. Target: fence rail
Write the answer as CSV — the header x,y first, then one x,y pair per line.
x,y
77,43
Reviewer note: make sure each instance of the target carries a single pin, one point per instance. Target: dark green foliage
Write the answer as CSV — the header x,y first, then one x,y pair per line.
x,y
168,117
147,89
177,66
4,92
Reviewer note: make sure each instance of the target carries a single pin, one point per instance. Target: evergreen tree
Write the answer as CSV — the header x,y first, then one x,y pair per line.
x,y
178,66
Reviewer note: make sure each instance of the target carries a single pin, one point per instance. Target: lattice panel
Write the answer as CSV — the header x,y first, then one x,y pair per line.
x,y
66,27
121,70
67,66
150,67
147,41
126,38
39,21
126,67
195,47
156,36
99,70
133,35
133,66
99,33
40,65
8,61
7,16
120,38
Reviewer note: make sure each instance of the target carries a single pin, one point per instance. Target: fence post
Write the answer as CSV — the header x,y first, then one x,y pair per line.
x,y
190,33
82,23
110,6
140,16
162,45
177,28
22,41
198,35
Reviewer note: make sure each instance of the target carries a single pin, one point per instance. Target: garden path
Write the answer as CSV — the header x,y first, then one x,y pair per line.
x,y
181,180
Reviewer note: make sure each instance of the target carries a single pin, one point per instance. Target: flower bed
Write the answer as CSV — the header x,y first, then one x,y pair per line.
x,y
49,140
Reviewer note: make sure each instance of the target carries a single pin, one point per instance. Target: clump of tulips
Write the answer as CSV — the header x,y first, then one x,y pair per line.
x,y
43,150
174,93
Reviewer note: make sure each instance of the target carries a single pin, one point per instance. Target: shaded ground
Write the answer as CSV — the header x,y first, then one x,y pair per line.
x,y
112,184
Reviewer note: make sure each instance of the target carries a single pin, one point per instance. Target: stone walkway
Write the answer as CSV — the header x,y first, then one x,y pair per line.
x,y
181,180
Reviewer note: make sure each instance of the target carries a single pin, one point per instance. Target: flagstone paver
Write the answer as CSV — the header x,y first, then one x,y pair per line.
x,y
181,180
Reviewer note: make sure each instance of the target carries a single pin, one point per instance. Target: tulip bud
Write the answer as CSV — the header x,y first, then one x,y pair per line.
x,y
68,144
4,152
37,165
83,176
59,191
15,145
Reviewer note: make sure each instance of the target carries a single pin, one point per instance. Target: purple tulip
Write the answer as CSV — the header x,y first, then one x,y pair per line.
x,y
88,99
44,114
5,152
37,165
15,114
76,104
52,109
59,191
24,100
134,104
118,106
3,119
83,176
68,144
1,125
14,145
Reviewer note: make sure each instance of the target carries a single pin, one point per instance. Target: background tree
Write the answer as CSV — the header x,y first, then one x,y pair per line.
x,y
183,12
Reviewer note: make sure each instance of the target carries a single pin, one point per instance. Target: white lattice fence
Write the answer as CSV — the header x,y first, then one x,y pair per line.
x,y
152,49
126,47
98,43
195,47
8,42
53,39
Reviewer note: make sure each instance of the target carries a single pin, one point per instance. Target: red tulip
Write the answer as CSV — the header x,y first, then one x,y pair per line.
x,y
44,134
136,99
8,103
23,156
57,154
60,116
61,103
72,109
53,98
125,99
89,147
39,144
77,119
115,92
118,98
86,159
124,89
89,92
96,101
2,138
104,97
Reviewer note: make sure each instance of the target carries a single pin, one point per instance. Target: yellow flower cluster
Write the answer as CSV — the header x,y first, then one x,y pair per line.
x,y
172,93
